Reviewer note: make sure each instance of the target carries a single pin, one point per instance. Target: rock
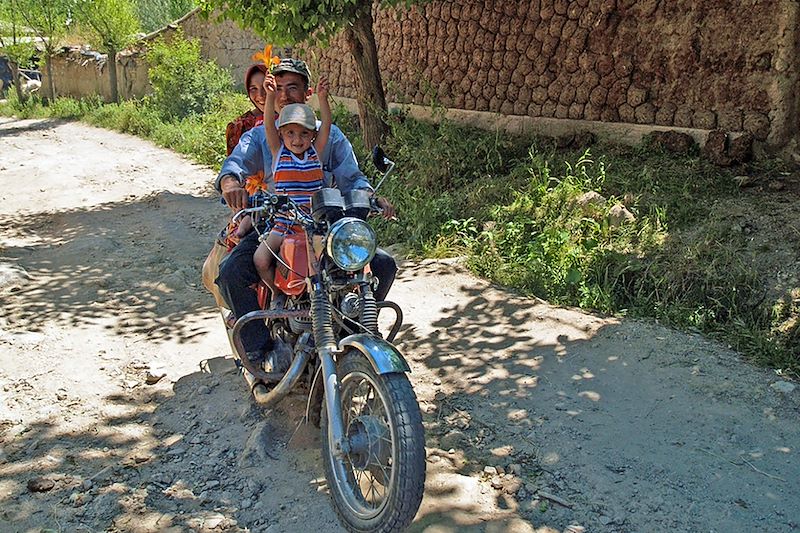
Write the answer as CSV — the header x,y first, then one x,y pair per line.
x,y
437,381
512,484
716,148
257,448
246,504
783,386
453,439
490,470
497,482
212,484
590,198
87,484
213,521
40,484
740,148
141,457
619,215
61,395
202,389
154,376
671,141
515,469
77,499
12,277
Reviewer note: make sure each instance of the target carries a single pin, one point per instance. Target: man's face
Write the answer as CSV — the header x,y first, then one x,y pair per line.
x,y
290,88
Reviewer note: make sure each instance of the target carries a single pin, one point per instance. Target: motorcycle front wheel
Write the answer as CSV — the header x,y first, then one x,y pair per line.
x,y
377,486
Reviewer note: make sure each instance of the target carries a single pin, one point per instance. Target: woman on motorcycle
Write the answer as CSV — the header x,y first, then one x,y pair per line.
x,y
228,237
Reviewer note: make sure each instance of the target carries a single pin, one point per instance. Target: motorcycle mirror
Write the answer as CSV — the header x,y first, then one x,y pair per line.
x,y
379,159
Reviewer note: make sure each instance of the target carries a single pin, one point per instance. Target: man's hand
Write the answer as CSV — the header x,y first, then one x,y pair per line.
x,y
233,193
389,212
269,83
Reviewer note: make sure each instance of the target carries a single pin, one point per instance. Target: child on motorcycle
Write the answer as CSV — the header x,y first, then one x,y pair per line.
x,y
296,145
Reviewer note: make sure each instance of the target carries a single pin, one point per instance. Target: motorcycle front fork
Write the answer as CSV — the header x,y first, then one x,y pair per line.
x,y
325,341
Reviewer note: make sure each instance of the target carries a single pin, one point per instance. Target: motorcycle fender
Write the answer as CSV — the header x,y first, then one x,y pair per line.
x,y
384,357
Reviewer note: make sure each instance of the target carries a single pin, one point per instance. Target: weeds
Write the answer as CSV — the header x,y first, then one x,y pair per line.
x,y
545,221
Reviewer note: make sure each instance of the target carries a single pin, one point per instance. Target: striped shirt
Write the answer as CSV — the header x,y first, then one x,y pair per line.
x,y
298,178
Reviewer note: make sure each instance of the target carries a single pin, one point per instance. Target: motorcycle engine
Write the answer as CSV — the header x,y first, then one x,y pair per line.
x,y
299,325
350,305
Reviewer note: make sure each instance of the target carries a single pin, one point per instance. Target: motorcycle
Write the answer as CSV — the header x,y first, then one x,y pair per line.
x,y
373,444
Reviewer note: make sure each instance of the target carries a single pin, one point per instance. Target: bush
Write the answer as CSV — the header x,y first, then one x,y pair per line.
x,y
183,83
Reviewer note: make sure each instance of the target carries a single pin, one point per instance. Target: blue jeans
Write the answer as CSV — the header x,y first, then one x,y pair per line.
x,y
237,273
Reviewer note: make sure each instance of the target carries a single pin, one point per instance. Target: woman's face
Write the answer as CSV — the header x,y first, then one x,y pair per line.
x,y
255,90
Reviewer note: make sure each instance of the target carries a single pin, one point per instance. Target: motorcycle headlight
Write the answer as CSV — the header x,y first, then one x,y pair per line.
x,y
351,243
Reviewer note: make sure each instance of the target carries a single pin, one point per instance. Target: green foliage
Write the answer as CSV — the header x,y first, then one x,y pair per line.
x,y
20,53
515,207
113,23
156,14
289,23
183,83
518,210
15,42
47,19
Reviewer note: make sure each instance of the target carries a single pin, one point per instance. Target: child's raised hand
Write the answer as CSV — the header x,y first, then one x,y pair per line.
x,y
269,83
322,87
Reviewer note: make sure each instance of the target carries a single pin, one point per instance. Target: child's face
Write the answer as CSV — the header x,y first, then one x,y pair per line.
x,y
297,138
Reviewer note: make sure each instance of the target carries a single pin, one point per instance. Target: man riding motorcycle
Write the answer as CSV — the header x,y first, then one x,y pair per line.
x,y
237,272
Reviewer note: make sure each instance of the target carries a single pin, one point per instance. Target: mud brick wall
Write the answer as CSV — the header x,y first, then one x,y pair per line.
x,y
685,63
77,75
224,42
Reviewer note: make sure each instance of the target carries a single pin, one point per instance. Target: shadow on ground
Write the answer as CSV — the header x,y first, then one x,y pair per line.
x,y
38,125
116,264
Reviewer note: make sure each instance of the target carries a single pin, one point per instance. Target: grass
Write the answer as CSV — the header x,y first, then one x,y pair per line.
x,y
540,219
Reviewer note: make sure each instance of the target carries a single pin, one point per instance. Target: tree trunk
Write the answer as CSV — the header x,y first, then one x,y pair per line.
x,y
50,82
21,98
371,98
112,74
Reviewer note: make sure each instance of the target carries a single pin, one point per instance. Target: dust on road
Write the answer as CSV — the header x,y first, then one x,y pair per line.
x,y
121,409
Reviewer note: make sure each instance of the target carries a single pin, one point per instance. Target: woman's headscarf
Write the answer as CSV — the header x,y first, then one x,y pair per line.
x,y
252,69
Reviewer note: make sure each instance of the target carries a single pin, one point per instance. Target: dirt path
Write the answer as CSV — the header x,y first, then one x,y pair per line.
x,y
538,418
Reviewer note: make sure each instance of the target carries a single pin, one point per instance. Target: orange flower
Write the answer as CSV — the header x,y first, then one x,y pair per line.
x,y
266,57
255,183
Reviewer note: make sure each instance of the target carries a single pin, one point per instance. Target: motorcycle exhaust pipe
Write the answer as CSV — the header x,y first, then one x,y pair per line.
x,y
290,378
256,378
238,348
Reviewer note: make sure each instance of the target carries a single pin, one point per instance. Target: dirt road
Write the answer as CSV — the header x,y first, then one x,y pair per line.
x,y
538,418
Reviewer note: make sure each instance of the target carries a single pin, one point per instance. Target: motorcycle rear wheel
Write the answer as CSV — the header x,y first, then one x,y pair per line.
x,y
378,485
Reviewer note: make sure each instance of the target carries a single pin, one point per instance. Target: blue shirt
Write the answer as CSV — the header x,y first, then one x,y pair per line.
x,y
252,154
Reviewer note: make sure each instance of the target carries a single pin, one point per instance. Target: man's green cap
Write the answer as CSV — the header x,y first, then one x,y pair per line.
x,y
289,64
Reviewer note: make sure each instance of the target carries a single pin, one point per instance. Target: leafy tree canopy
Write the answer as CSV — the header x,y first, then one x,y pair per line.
x,y
288,23
155,14
114,23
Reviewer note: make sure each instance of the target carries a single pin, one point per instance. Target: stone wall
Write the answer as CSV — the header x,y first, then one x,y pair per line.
x,y
695,64
726,64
